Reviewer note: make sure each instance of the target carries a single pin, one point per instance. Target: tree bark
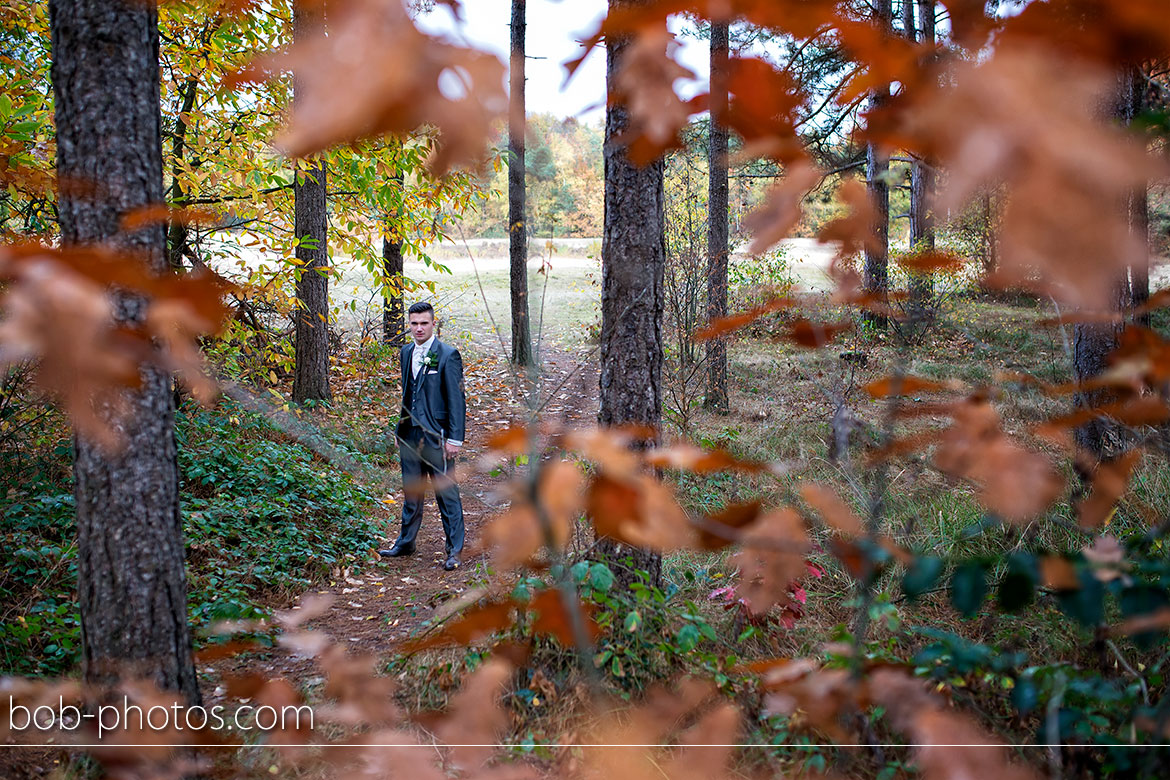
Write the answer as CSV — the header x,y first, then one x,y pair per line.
x,y
1139,214
921,188
1093,341
177,234
131,582
393,308
311,376
990,237
517,226
633,261
877,165
717,220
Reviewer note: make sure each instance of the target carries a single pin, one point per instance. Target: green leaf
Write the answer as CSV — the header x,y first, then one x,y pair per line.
x,y
600,577
687,637
1018,585
1025,696
580,571
1086,604
633,621
921,576
968,588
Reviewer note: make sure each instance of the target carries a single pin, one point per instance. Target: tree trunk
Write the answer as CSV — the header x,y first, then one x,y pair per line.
x,y
131,583
393,310
717,222
517,227
633,261
1093,341
311,377
1139,214
990,237
877,165
177,234
921,190
1139,272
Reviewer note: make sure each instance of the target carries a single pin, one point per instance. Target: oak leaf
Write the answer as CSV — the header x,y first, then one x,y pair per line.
x,y
771,558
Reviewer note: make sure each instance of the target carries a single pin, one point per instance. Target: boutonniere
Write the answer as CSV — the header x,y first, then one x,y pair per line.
x,y
431,360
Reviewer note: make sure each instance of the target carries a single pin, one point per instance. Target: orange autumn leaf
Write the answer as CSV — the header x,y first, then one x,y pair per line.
x,y
640,511
724,325
644,84
160,212
610,448
375,73
1010,119
59,311
688,457
854,231
932,262
722,528
476,719
905,385
510,441
1011,481
1108,484
553,618
771,559
1058,573
780,212
471,625
517,534
832,509
762,110
813,335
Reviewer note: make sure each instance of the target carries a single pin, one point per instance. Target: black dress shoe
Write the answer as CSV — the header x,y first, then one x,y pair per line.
x,y
397,551
452,563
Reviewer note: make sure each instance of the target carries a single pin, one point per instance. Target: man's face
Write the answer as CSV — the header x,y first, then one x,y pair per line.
x,y
422,326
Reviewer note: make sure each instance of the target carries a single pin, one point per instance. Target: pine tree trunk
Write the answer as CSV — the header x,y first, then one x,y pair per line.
x,y
921,190
717,221
517,226
1093,341
1139,212
311,377
990,238
393,309
877,165
633,261
131,583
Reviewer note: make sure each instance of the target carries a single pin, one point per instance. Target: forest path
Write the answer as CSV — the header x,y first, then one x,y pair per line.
x,y
375,609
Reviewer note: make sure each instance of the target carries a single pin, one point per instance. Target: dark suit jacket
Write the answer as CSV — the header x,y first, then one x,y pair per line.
x,y
441,408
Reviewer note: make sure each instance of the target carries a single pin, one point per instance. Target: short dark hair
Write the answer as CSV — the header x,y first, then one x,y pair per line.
x,y
422,307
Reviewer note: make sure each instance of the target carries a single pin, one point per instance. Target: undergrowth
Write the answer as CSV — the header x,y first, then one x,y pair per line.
x,y
263,518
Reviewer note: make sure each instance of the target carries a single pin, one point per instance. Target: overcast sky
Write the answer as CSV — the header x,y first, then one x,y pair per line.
x,y
555,30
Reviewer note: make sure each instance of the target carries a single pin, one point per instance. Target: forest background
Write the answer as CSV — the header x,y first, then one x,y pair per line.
x,y
880,484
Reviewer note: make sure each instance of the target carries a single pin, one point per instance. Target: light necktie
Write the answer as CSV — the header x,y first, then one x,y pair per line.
x,y
417,360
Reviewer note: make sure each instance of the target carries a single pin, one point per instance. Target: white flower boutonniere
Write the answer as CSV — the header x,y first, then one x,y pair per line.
x,y
431,360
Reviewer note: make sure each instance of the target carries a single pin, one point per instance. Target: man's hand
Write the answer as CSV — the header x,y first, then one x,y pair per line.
x,y
450,450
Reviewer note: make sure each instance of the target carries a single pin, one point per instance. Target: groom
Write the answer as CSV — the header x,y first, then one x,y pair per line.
x,y
430,433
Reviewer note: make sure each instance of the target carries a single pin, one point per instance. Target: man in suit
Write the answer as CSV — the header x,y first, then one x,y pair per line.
x,y
430,433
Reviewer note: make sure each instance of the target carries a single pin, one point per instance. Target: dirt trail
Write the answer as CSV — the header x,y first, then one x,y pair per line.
x,y
388,601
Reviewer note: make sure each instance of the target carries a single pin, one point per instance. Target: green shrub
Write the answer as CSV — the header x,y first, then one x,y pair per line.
x,y
263,518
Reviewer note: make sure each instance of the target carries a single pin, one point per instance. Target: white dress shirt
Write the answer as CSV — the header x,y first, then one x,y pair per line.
x,y
416,361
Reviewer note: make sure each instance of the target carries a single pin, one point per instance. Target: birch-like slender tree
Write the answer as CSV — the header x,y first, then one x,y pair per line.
x,y
517,225
717,219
